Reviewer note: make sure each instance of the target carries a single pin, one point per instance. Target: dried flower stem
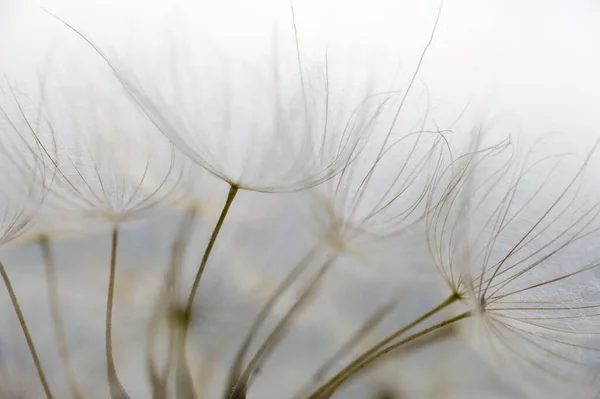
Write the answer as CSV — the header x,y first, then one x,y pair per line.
x,y
158,379
365,329
238,364
23,323
182,367
184,383
270,343
233,190
116,389
349,345
57,317
330,386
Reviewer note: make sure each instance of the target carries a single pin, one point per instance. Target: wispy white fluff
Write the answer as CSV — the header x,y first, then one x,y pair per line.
x,y
517,239
385,191
107,160
24,179
272,126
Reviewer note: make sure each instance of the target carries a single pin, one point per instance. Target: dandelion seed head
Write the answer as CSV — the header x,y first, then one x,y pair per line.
x,y
275,126
383,192
519,241
106,160
24,180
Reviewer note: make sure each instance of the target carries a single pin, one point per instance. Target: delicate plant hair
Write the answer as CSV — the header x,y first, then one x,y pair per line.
x,y
521,261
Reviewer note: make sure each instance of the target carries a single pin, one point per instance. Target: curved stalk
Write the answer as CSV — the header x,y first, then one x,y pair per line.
x,y
341,376
233,190
184,383
236,370
329,389
372,322
239,391
182,366
23,323
57,317
158,377
116,388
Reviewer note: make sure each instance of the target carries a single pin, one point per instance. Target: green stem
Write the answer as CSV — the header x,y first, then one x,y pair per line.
x,y
348,346
233,190
341,375
23,323
240,389
116,388
370,324
168,296
184,384
373,357
57,318
238,364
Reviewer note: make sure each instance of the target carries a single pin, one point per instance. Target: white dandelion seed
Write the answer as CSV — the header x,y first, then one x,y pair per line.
x,y
518,243
265,128
111,164
384,192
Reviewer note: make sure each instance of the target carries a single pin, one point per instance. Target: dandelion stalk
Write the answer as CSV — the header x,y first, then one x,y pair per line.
x,y
184,383
158,378
374,320
57,317
328,389
238,364
240,390
343,375
116,388
23,323
182,368
233,190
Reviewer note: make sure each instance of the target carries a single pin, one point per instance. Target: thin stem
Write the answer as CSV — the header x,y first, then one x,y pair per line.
x,y
184,384
365,329
349,345
330,389
57,317
23,323
359,360
168,296
238,364
116,389
240,389
233,190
